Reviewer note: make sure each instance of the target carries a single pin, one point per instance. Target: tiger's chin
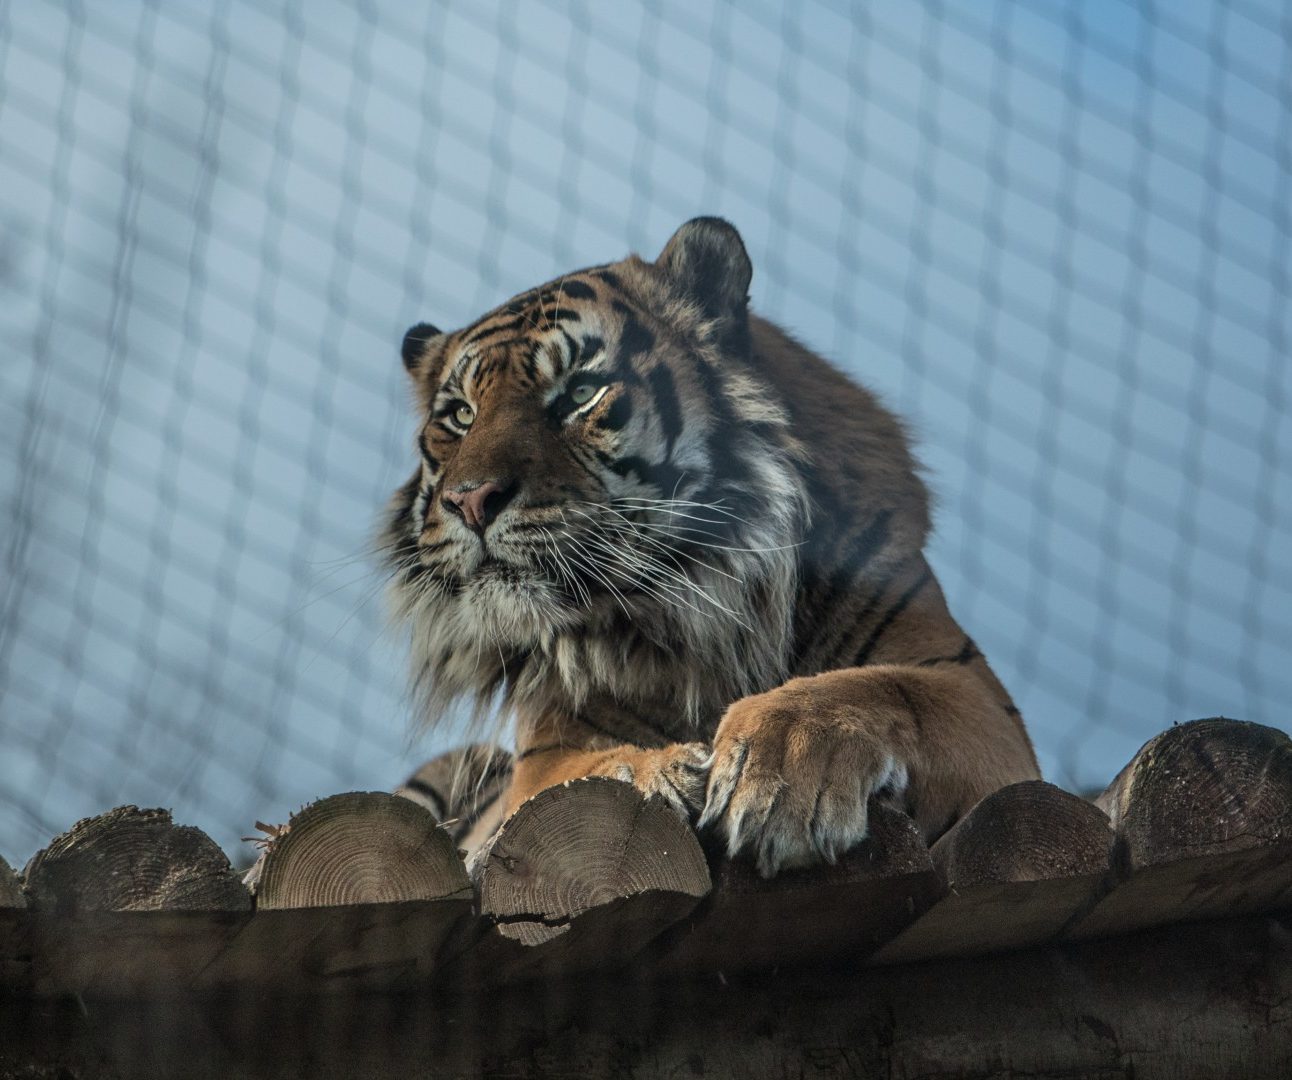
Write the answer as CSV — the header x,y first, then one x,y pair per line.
x,y
516,609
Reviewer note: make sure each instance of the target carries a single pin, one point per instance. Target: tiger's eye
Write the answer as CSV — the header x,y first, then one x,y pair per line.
x,y
464,414
582,393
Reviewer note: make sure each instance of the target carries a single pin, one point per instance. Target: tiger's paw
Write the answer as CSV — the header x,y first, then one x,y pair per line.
x,y
678,774
793,770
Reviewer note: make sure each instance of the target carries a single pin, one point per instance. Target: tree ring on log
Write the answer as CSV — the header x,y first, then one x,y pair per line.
x,y
1201,788
360,847
1029,831
133,860
583,844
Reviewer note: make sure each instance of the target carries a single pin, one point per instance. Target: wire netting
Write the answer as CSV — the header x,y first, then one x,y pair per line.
x,y
1053,235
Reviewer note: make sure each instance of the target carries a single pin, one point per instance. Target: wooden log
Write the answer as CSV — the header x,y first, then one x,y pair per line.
x,y
11,894
358,890
362,847
1203,820
464,789
1018,866
1203,1001
827,915
15,965
133,860
583,875
129,899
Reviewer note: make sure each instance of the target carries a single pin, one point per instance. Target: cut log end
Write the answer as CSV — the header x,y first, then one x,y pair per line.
x,y
356,848
133,860
1201,788
583,844
1031,831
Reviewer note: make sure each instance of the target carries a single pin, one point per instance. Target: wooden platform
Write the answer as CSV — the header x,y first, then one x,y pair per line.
x,y
1144,935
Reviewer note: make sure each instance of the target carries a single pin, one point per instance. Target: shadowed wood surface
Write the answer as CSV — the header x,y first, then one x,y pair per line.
x,y
832,914
1199,1002
358,889
365,893
1018,866
13,929
128,899
11,895
1203,817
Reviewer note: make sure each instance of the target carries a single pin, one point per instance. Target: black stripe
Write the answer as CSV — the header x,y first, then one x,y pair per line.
x,y
902,603
617,416
610,278
968,653
466,822
546,748
414,783
634,339
665,477
588,350
578,290
521,322
667,405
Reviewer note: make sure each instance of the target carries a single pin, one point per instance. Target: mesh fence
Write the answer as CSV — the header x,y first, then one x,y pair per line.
x,y
1054,235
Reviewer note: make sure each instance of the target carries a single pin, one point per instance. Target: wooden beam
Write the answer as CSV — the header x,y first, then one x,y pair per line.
x,y
1179,1003
15,948
1018,866
583,875
149,901
1203,820
133,860
830,914
358,889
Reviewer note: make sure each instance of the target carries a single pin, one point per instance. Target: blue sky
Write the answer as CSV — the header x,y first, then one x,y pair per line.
x,y
1054,236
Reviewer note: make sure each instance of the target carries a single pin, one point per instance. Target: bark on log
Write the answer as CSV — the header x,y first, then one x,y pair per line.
x,y
584,875
150,902
832,915
1203,816
1018,866
362,847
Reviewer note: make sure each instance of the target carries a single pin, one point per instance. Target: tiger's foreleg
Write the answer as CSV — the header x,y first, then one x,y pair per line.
x,y
554,750
794,768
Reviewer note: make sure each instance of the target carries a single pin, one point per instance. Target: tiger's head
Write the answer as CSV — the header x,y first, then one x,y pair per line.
x,y
607,500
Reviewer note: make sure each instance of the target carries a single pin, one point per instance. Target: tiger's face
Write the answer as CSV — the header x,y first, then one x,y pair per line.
x,y
596,448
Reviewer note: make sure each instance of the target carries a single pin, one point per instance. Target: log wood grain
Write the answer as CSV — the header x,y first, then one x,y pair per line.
x,y
1018,867
129,899
832,915
1203,820
358,890
584,875
133,860
360,847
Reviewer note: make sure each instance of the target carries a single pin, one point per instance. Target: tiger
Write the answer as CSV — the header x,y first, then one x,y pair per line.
x,y
671,545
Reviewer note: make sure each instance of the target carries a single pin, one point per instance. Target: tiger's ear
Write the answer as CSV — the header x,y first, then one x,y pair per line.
x,y
414,346
707,262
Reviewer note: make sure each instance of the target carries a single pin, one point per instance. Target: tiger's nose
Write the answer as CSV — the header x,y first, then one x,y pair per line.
x,y
479,504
